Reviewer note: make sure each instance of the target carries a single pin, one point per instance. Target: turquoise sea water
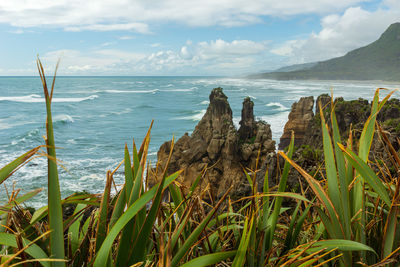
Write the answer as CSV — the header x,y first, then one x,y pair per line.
x,y
95,116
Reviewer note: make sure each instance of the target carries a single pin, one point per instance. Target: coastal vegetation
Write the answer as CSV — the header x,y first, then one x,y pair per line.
x,y
346,217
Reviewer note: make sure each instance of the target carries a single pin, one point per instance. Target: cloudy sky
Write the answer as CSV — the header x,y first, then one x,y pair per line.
x,y
180,37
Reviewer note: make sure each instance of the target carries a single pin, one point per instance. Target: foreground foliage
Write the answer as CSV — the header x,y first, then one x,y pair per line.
x,y
351,217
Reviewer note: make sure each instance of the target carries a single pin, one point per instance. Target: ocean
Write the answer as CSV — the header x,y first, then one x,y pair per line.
x,y
95,116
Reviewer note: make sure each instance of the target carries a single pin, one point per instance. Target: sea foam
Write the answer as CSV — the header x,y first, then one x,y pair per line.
x,y
277,106
132,91
38,99
195,117
63,118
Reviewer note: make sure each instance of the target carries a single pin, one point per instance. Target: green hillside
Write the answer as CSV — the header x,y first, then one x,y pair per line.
x,y
379,60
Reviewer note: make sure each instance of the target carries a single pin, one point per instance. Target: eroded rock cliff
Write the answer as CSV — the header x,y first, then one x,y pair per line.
x,y
299,119
215,144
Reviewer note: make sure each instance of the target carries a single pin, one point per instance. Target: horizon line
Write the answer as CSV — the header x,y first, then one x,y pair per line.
x,y
66,76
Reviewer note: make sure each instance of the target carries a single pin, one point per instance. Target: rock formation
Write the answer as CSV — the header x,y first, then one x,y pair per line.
x,y
226,152
216,144
350,114
299,119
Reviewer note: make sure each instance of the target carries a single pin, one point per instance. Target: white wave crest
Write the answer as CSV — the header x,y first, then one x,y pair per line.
x,y
205,102
277,122
92,177
63,118
194,117
236,121
38,99
179,90
277,106
132,92
123,82
125,111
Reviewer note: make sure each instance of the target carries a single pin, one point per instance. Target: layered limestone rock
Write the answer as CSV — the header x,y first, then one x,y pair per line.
x,y
217,145
299,119
351,114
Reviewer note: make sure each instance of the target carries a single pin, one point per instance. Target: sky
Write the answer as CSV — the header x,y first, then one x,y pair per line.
x,y
180,37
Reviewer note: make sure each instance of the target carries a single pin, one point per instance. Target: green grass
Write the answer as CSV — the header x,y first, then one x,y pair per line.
x,y
350,219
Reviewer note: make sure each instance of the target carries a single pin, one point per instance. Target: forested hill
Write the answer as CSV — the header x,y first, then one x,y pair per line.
x,y
379,60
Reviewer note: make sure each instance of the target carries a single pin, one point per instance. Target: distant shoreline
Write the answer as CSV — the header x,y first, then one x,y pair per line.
x,y
212,76
321,80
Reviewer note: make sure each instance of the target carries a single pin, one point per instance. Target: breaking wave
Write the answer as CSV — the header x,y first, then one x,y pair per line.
x,y
277,106
132,91
38,99
195,117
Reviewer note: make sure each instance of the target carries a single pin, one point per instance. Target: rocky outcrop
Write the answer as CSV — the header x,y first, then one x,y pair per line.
x,y
216,144
225,152
299,119
247,123
351,114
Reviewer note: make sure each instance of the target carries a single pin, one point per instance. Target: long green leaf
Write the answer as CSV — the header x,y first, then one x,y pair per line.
x,y
21,199
281,188
78,199
176,198
390,232
102,254
196,233
103,212
210,259
330,166
369,176
240,257
118,207
340,244
73,230
128,175
299,225
34,250
140,247
319,192
128,233
7,170
54,196
343,179
289,236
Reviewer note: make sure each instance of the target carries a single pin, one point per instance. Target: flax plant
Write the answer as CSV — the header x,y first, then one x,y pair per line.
x,y
352,193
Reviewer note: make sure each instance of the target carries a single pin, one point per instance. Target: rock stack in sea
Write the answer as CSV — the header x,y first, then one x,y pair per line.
x,y
299,119
215,144
227,153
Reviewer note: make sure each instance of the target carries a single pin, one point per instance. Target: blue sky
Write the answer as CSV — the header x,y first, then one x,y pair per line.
x,y
180,37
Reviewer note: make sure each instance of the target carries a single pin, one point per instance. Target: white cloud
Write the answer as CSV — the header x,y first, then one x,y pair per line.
x,y
340,34
126,37
108,44
137,27
155,45
96,62
136,15
214,57
288,47
236,48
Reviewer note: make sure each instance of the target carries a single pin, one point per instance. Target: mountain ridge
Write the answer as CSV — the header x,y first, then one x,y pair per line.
x,y
380,60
